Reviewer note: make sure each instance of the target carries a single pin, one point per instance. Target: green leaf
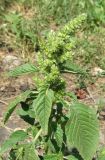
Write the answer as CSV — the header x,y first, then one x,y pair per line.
x,y
82,130
13,18
13,139
32,131
72,95
30,153
42,106
51,147
17,152
53,157
73,68
21,98
23,69
101,155
59,135
29,112
71,158
24,151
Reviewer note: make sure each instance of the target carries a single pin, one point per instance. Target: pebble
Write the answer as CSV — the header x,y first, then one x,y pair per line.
x,y
97,70
24,87
102,137
10,62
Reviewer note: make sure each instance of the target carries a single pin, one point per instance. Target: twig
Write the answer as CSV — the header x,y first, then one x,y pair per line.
x,y
91,96
67,71
37,136
10,98
1,101
9,129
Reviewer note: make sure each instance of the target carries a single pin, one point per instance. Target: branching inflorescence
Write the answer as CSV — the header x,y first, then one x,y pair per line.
x,y
56,50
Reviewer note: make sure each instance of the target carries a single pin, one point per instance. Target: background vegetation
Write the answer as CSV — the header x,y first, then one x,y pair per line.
x,y
24,22
24,30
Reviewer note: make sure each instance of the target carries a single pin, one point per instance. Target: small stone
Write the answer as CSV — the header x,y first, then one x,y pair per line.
x,y
11,89
2,88
24,87
9,62
95,71
1,69
102,137
102,113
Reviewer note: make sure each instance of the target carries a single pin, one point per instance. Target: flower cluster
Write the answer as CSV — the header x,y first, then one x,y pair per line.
x,y
56,50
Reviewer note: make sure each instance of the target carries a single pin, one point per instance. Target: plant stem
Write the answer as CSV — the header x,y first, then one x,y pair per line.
x,y
37,136
67,71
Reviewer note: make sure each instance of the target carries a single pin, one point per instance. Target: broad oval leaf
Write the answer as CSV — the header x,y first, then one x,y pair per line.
x,y
59,136
11,107
42,106
23,69
30,153
82,130
15,137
